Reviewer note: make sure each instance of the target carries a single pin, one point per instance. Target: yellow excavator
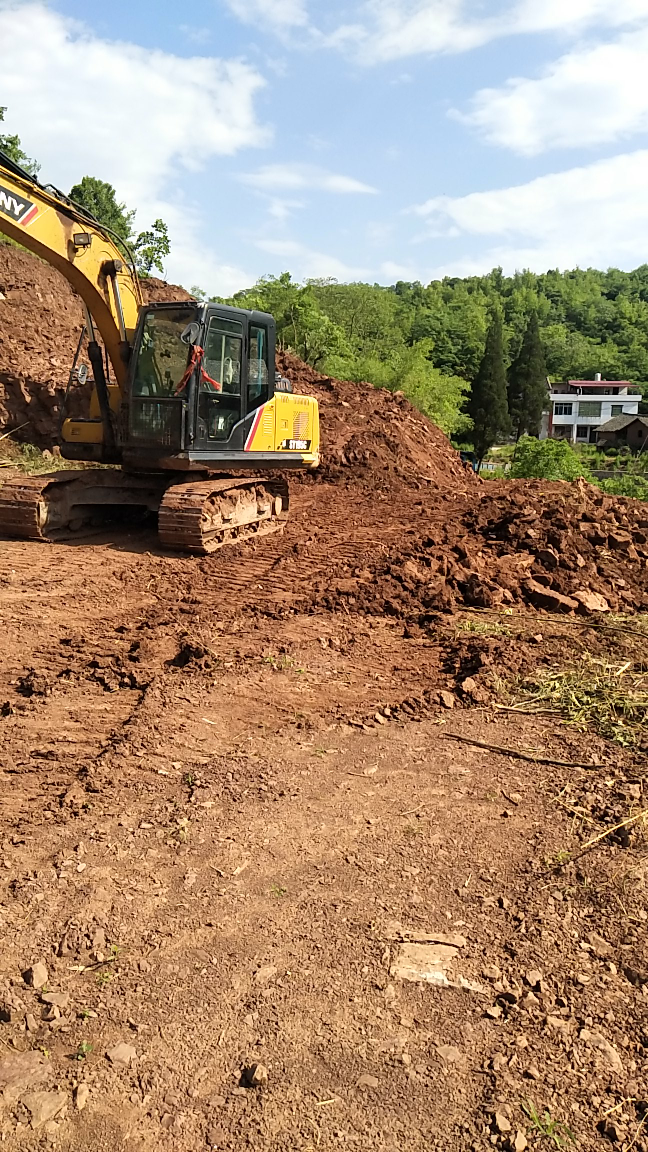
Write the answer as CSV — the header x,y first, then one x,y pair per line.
x,y
184,398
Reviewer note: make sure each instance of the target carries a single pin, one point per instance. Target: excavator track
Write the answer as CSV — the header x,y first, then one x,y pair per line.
x,y
22,507
201,517
193,516
64,505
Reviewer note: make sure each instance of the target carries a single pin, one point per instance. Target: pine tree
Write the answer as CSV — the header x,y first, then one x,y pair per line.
x,y
487,406
527,383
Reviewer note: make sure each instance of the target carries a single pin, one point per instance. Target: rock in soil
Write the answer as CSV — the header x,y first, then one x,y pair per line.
x,y
36,975
81,1095
20,1071
44,1106
121,1055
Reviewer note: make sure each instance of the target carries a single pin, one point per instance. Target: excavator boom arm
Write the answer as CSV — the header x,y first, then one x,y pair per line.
x,y
71,241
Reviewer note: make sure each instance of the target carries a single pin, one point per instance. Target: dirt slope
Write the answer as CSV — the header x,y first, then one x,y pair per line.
x,y
40,322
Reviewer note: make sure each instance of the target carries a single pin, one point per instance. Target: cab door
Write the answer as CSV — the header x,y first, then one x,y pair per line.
x,y
220,387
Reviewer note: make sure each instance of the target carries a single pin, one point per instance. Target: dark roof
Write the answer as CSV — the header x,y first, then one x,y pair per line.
x,y
619,422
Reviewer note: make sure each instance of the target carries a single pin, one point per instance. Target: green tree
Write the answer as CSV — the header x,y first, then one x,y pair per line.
x,y
367,315
302,326
11,147
527,382
100,199
546,460
439,396
487,405
151,248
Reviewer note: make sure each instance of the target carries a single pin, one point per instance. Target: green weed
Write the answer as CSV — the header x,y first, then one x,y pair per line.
x,y
594,694
483,627
544,1125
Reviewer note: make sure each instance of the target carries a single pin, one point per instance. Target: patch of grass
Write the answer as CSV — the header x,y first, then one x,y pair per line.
x,y
554,1130
281,663
592,693
410,830
31,460
84,1050
563,856
277,892
612,623
483,627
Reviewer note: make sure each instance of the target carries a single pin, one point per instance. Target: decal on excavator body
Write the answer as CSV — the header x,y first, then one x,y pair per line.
x,y
20,210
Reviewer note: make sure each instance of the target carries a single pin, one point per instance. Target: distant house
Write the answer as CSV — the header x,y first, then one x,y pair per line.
x,y
578,408
630,431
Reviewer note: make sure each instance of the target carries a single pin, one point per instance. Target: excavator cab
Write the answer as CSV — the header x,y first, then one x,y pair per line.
x,y
199,375
203,394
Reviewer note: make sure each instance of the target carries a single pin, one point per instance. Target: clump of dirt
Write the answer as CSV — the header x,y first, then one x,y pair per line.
x,y
160,291
554,546
376,437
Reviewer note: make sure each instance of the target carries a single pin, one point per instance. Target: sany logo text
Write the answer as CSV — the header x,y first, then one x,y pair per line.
x,y
19,209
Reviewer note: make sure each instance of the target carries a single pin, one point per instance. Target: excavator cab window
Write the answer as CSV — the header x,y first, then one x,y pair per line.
x,y
257,367
219,399
162,356
157,409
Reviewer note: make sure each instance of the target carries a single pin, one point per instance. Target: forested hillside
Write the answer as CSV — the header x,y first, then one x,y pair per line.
x,y
430,340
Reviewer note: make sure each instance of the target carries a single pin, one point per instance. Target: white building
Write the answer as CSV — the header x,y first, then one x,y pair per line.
x,y
579,407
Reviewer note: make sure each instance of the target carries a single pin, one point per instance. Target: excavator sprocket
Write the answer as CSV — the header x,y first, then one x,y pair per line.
x,y
203,516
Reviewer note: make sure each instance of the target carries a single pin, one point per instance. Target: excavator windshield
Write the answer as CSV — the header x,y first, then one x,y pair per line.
x,y
162,356
158,403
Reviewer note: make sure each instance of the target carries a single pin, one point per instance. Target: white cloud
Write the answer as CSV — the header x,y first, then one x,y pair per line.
x,y
280,208
305,263
297,177
136,117
395,29
114,109
279,14
589,96
550,15
596,215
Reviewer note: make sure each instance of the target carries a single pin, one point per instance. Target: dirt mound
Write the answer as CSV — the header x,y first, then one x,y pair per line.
x,y
158,291
40,322
375,436
555,546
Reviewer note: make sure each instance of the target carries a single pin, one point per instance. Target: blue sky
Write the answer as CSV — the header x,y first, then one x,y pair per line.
x,y
377,140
